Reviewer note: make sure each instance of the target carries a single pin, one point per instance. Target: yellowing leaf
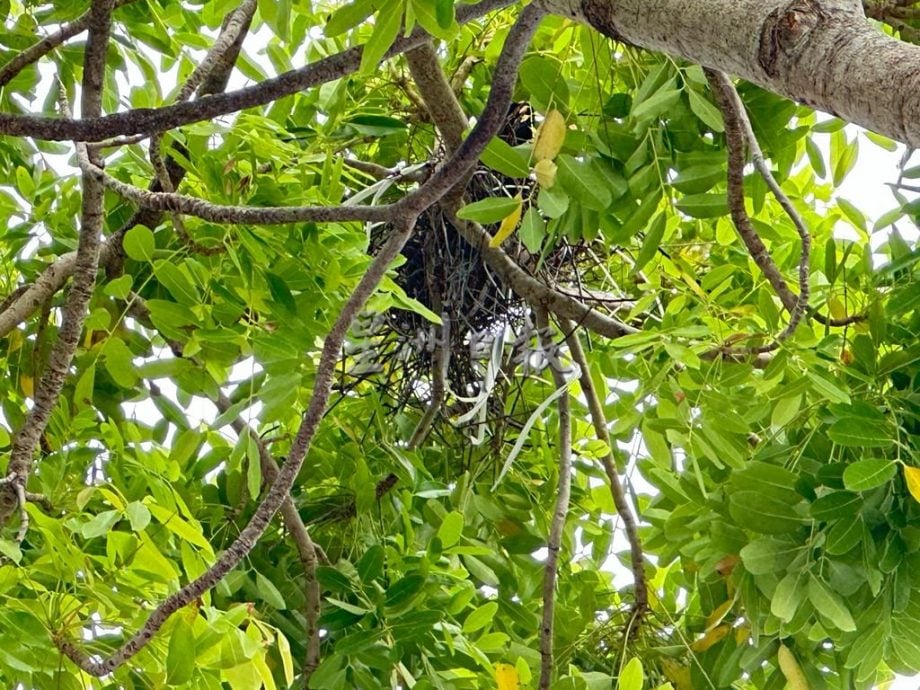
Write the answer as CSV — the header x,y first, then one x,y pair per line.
x,y
545,170
791,669
27,384
912,477
716,616
508,224
506,676
836,308
677,674
711,638
550,136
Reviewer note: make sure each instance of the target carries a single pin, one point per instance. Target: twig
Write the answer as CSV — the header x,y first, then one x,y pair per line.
x,y
94,129
86,263
599,420
38,50
738,132
274,498
440,361
554,542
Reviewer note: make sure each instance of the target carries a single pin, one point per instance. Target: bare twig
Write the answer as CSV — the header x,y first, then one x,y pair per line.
x,y
274,498
557,525
599,421
86,262
93,129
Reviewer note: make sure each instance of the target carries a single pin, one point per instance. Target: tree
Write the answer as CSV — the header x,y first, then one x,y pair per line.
x,y
444,352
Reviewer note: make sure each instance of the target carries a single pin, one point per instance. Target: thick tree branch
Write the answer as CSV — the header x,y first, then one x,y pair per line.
x,y
563,491
620,501
274,498
439,98
150,120
85,264
824,53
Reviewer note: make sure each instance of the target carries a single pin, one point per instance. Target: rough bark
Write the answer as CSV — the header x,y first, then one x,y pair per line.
x,y
824,53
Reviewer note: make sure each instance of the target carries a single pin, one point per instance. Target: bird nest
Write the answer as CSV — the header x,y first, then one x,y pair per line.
x,y
395,350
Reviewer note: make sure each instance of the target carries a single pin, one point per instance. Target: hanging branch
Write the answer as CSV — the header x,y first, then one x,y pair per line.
x,y
617,492
85,266
150,120
557,525
440,361
738,132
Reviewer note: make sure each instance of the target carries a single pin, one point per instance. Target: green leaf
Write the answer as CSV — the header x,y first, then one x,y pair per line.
x,y
269,593
788,596
180,660
139,243
553,202
868,474
436,17
659,102
386,29
501,157
138,515
767,555
706,111
632,676
451,528
480,617
583,182
762,513
830,605
488,211
532,230
859,432
703,205
179,526
11,550
651,243
348,16
698,178
100,524
542,77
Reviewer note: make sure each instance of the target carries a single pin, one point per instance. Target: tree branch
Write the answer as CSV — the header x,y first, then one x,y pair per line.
x,y
38,50
439,98
557,525
274,498
599,420
738,132
85,264
149,120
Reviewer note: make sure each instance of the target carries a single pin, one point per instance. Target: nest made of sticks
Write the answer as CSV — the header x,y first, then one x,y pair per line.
x,y
395,350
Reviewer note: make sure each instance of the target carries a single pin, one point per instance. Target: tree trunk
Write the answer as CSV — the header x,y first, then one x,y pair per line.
x,y
823,53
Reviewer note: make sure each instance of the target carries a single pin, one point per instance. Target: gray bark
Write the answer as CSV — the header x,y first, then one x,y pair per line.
x,y
823,53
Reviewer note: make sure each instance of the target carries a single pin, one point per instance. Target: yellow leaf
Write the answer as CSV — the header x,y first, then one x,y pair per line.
x,y
711,638
545,171
791,669
677,674
508,224
836,308
716,616
27,384
506,676
912,477
550,136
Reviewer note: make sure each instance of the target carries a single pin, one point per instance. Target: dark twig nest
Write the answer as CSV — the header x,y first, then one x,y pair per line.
x,y
448,276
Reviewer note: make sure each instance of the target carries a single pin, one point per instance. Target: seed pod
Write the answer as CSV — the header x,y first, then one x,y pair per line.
x,y
550,136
